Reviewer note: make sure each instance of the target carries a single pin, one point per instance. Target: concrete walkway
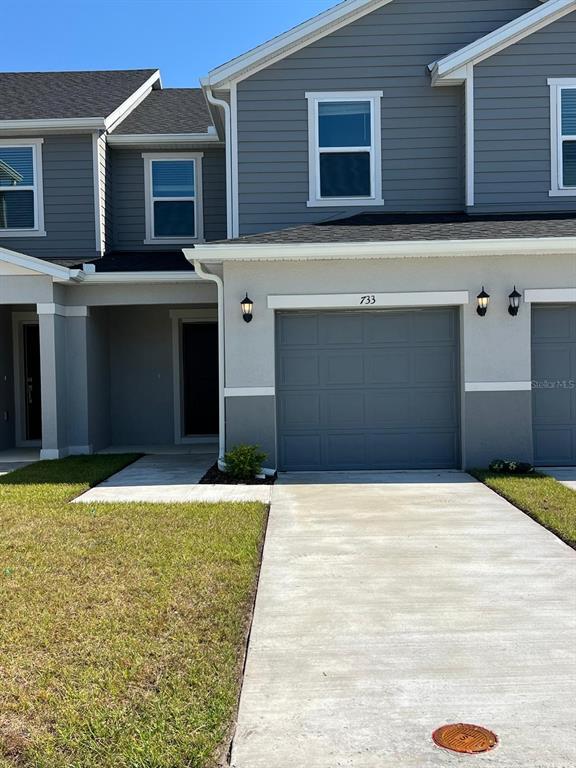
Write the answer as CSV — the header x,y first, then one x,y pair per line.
x,y
393,603
169,478
17,458
564,475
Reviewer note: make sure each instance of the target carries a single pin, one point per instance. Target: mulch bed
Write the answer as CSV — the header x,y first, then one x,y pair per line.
x,y
214,476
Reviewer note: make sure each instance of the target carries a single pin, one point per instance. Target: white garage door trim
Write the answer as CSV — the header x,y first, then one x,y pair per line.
x,y
549,295
368,300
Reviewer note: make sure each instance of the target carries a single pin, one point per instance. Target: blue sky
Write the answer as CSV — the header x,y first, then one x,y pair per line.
x,y
184,38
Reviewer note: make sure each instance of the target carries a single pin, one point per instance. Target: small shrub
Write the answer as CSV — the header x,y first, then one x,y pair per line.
x,y
244,462
510,467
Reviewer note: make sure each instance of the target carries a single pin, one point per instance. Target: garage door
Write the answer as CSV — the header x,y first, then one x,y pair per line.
x,y
554,387
368,390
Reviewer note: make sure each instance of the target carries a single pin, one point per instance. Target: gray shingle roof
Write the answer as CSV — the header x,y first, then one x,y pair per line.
x,y
377,227
170,110
143,261
60,95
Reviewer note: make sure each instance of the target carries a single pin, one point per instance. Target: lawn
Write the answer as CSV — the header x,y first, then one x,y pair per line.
x,y
122,626
549,502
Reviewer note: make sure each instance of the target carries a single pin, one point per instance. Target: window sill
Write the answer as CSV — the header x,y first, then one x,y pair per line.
x,y
173,241
22,233
562,192
341,202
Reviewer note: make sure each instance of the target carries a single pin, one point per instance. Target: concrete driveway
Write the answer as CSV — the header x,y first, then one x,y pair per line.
x,y
393,603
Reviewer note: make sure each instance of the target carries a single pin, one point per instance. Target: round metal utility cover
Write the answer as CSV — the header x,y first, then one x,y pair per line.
x,y
465,738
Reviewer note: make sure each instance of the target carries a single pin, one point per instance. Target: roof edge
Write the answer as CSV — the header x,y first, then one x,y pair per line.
x,y
135,139
499,39
41,266
211,253
288,42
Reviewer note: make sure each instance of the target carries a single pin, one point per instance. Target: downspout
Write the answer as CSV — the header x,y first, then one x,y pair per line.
x,y
229,170
200,271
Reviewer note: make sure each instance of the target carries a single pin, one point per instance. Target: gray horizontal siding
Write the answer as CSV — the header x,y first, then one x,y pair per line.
x,y
422,127
67,166
128,209
512,130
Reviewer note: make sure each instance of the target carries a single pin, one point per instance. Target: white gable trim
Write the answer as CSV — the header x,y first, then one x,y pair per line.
x,y
287,43
36,265
452,67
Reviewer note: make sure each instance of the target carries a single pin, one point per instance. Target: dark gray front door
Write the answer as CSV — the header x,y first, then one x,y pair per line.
x,y
368,390
554,384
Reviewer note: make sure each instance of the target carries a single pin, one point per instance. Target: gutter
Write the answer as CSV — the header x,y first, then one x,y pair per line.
x,y
237,251
229,165
200,271
162,138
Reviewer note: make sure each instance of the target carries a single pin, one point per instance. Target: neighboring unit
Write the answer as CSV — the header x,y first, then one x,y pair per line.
x,y
362,178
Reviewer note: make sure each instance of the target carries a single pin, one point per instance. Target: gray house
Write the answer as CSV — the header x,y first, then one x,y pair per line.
x,y
392,184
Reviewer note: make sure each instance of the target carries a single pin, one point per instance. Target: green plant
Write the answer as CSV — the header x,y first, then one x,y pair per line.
x,y
244,462
508,466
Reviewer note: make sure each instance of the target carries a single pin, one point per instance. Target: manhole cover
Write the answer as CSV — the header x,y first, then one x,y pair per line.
x,y
462,737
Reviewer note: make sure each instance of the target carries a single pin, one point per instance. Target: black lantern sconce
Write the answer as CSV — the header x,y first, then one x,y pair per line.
x,y
483,299
514,304
247,307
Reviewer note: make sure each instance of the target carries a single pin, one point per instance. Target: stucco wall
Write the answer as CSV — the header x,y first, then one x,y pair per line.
x,y
495,348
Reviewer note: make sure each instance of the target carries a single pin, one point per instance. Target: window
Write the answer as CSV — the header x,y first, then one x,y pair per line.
x,y
563,140
344,148
21,188
173,197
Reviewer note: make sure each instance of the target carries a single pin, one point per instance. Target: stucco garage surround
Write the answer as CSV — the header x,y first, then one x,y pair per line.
x,y
495,351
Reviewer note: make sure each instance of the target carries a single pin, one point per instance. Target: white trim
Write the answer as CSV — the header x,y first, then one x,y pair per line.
x,y
293,40
37,188
557,139
153,157
36,265
315,98
234,160
127,106
177,318
61,310
249,391
501,38
369,300
470,135
498,386
138,139
61,124
97,191
550,295
100,278
522,246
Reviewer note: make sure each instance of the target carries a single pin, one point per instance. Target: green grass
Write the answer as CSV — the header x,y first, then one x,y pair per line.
x,y
549,502
122,626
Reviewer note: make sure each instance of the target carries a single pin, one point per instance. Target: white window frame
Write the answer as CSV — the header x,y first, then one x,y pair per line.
x,y
315,199
37,188
557,139
149,158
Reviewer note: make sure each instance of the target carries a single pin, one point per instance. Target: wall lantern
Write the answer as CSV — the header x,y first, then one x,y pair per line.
x,y
483,299
514,305
247,307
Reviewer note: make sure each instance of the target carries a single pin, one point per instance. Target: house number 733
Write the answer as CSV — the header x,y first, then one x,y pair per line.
x,y
369,299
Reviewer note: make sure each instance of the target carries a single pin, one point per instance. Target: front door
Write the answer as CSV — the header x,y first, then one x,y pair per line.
x,y
32,391
200,378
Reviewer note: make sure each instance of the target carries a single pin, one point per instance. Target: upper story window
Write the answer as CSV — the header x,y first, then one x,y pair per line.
x,y
344,152
173,187
21,208
563,140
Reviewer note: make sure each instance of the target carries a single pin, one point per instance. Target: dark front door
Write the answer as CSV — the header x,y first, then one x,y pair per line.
x,y
200,378
32,392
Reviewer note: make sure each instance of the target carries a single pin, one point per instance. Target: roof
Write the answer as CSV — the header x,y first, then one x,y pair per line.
x,y
287,43
389,227
168,111
452,66
143,261
67,95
